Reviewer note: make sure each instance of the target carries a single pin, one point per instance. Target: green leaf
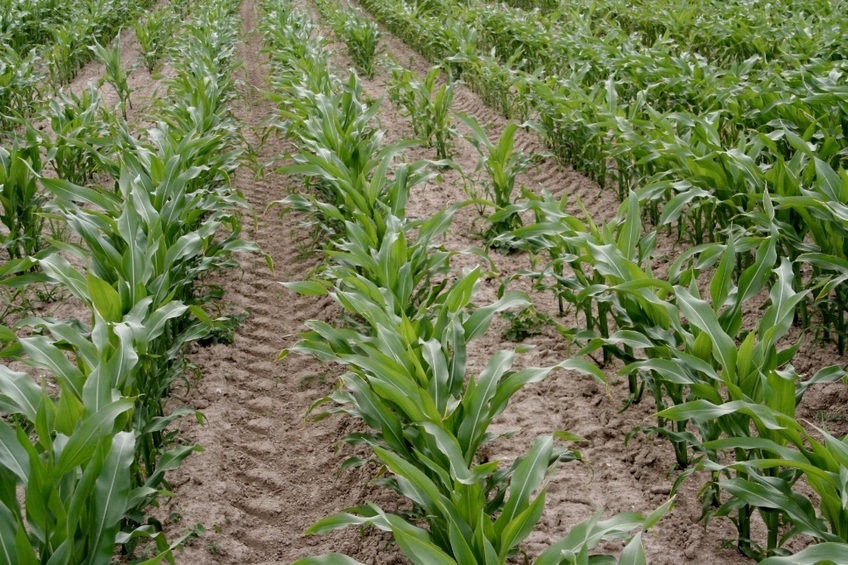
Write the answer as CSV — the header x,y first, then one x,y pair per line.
x,y
476,415
585,367
43,353
702,316
521,526
450,448
478,322
722,280
820,554
111,494
105,299
421,552
307,288
755,277
12,455
628,239
414,483
21,390
703,410
587,535
654,517
634,553
8,533
527,477
83,442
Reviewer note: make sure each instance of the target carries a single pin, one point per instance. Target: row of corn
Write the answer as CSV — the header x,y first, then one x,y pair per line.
x,y
703,145
406,350
724,386
86,446
789,30
44,43
358,32
723,382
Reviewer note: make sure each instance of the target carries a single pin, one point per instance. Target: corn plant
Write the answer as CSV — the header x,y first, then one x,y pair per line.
x,y
818,209
92,460
65,53
428,105
451,426
359,34
20,198
77,466
79,127
347,159
362,37
502,166
412,270
75,473
152,258
115,73
19,80
180,8
705,143
697,354
154,34
495,82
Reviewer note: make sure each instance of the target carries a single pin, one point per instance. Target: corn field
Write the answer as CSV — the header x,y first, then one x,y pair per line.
x,y
199,198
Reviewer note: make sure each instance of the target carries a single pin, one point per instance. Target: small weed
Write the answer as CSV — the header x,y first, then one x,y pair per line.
x,y
224,329
525,323
213,547
824,417
309,380
48,293
176,516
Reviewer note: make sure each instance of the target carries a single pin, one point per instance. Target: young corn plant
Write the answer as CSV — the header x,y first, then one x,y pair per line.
x,y
154,35
75,457
502,166
428,105
495,82
66,52
74,471
362,37
818,208
79,126
83,466
19,82
180,8
457,497
21,200
115,74
342,151
360,34
407,355
714,380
